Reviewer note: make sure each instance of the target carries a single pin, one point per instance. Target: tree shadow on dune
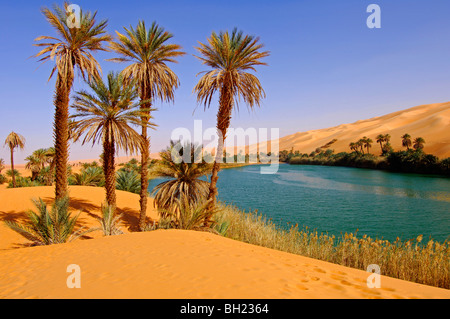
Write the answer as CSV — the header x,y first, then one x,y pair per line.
x,y
130,218
13,216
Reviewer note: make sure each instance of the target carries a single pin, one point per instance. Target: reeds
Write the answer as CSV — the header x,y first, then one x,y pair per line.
x,y
410,260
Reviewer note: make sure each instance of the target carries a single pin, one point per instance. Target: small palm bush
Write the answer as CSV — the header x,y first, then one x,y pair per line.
x,y
110,221
48,227
129,181
89,176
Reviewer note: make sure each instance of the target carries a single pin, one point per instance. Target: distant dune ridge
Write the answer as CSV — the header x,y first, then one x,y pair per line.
x,y
431,122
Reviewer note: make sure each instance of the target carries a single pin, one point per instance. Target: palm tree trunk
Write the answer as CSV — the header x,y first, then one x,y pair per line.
x,y
12,168
61,135
145,154
223,122
109,169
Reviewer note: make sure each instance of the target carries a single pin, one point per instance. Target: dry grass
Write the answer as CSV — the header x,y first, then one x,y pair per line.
x,y
407,260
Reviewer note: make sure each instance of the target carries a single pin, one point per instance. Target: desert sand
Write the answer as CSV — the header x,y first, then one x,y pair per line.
x,y
431,122
168,263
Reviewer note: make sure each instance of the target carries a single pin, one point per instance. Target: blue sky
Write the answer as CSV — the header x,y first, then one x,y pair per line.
x,y
326,66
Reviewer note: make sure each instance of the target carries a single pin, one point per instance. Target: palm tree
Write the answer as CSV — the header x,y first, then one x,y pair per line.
x,y
185,183
105,115
353,146
14,140
380,139
72,50
36,162
419,143
149,53
367,143
34,165
360,144
230,57
406,141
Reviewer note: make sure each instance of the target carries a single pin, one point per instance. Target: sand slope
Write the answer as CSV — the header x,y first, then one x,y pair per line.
x,y
185,264
169,263
85,200
431,122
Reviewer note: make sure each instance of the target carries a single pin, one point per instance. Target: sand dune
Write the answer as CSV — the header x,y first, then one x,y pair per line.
x,y
85,200
170,263
431,122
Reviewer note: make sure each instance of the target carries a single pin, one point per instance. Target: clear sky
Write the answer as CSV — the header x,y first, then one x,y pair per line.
x,y
326,66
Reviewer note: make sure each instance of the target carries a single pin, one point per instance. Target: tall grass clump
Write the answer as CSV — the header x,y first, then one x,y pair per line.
x,y
409,260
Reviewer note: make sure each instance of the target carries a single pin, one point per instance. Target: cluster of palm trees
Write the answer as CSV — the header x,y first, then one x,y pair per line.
x,y
384,141
36,162
361,144
417,144
108,111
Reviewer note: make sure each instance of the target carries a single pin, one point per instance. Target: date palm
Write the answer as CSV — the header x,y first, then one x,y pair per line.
x,y
380,139
353,146
149,52
36,162
360,144
34,165
231,57
418,143
367,143
13,141
106,114
184,167
406,141
71,50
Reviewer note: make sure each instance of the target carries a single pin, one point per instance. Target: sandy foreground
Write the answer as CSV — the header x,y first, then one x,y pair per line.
x,y
168,263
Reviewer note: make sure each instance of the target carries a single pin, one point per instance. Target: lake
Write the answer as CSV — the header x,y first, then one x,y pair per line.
x,y
340,199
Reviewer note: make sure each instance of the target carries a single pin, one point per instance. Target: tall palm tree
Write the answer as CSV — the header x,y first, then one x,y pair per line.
x,y
380,139
231,57
418,143
367,143
406,141
360,144
185,183
148,51
106,114
72,50
13,141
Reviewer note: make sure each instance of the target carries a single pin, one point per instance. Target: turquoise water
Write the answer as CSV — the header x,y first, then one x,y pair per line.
x,y
339,199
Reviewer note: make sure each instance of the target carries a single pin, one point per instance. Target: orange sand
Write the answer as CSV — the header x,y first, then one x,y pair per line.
x,y
431,122
169,263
